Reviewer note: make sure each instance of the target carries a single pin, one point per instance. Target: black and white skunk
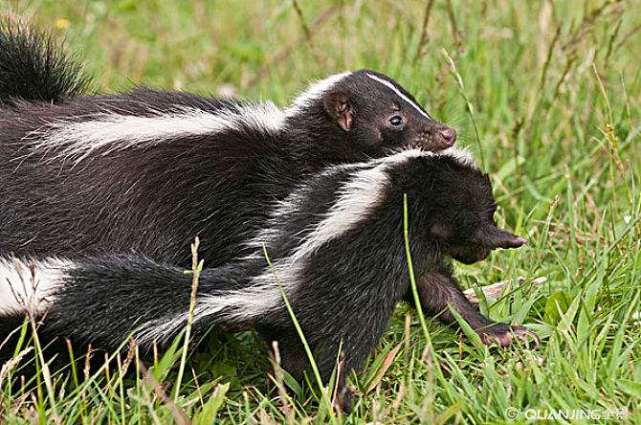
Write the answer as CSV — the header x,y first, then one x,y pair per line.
x,y
336,245
102,195
150,170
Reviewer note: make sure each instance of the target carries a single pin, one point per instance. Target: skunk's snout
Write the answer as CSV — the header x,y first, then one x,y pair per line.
x,y
447,135
506,240
493,238
514,242
436,137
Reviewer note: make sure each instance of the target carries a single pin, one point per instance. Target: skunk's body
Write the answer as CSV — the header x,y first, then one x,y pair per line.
x,y
336,245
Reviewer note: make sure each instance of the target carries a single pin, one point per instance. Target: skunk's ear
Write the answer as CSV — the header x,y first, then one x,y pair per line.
x,y
339,107
493,237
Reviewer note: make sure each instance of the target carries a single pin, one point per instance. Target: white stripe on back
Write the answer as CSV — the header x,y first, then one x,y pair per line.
x,y
113,131
399,94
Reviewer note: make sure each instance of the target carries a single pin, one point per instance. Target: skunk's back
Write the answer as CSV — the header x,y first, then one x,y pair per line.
x,y
33,67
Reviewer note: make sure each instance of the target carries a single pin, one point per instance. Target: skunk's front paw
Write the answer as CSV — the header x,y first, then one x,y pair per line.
x,y
343,400
503,335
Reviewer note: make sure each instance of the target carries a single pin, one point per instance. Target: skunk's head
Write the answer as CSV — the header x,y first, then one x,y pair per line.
x,y
372,113
455,206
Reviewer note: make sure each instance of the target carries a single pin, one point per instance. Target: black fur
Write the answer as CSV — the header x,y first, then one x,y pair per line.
x,y
33,67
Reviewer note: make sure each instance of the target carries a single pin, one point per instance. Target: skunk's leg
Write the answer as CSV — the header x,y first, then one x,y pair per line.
x,y
293,358
325,351
438,290
343,396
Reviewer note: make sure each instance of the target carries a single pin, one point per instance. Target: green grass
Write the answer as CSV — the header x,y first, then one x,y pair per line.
x,y
548,95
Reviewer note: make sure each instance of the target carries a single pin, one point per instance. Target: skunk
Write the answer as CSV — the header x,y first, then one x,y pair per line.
x,y
334,247
149,170
33,67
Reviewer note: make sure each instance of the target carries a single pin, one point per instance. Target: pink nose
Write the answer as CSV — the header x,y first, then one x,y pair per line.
x,y
448,135
517,242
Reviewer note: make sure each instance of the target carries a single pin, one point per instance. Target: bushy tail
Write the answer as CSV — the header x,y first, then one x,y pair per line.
x,y
33,67
104,299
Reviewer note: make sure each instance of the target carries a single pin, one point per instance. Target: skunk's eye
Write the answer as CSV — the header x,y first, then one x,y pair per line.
x,y
396,120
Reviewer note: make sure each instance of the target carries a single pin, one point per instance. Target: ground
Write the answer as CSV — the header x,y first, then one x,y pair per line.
x,y
547,95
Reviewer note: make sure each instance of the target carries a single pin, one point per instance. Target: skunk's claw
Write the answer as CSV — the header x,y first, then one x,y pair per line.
x,y
504,335
343,400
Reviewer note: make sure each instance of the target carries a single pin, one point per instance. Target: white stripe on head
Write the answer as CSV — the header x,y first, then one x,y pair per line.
x,y
400,94
314,92
112,131
26,285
